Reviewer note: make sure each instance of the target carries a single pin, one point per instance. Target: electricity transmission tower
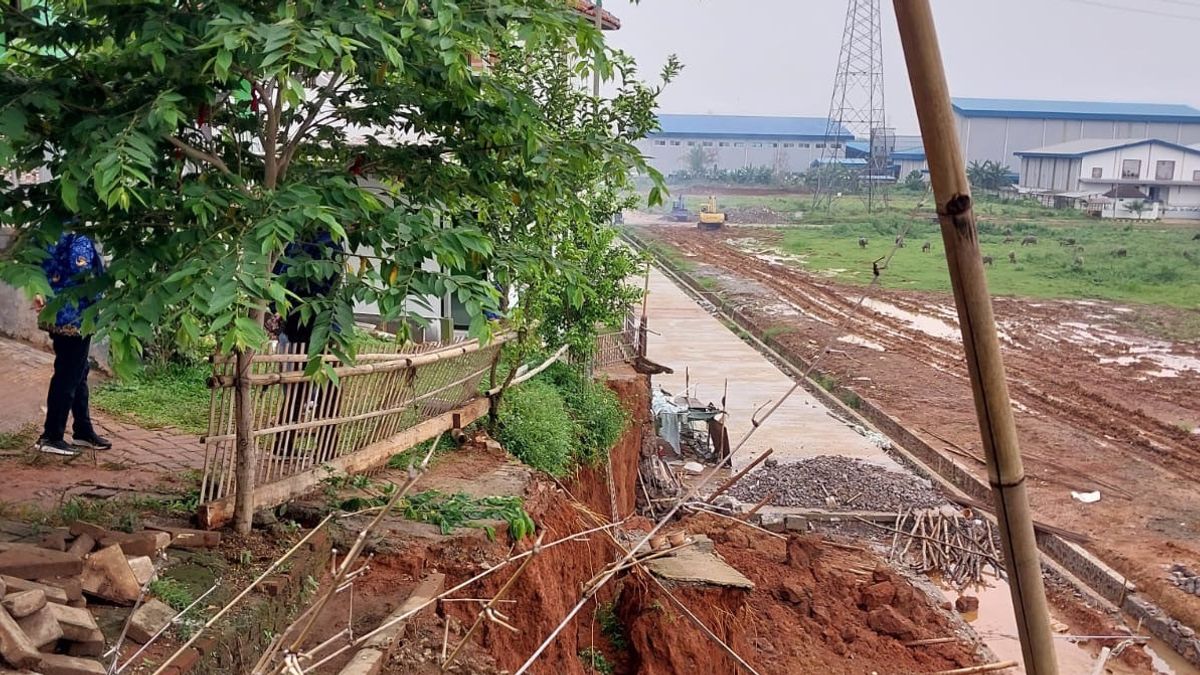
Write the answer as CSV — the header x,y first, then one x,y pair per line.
x,y
856,107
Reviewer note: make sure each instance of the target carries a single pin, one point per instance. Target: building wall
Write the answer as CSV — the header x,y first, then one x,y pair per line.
x,y
1060,174
1110,162
999,138
669,154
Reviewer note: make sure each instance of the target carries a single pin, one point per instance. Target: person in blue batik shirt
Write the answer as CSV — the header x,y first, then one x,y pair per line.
x,y
71,261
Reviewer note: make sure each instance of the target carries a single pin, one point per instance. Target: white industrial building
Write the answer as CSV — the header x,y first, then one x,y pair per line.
x,y
1000,129
785,144
1105,174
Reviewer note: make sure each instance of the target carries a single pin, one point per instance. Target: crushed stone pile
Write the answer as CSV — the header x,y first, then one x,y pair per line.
x,y
854,485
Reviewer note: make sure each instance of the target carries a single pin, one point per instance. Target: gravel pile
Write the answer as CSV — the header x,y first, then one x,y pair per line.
x,y
856,486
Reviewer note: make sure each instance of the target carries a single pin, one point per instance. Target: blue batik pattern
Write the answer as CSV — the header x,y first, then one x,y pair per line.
x,y
71,262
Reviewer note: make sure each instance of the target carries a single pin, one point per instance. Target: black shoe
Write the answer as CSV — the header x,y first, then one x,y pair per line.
x,y
92,441
58,447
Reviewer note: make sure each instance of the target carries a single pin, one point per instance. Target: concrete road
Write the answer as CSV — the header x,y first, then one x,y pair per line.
x,y
695,342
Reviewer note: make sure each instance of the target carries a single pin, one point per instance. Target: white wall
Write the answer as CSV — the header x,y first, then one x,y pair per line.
x,y
1110,161
669,155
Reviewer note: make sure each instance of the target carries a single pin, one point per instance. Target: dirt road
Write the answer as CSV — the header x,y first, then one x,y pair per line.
x,y
1101,404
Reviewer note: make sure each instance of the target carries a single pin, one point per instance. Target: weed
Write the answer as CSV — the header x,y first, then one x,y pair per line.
x,y
245,557
413,455
595,661
851,399
19,439
174,395
827,382
707,283
597,412
611,626
458,510
535,427
172,592
775,331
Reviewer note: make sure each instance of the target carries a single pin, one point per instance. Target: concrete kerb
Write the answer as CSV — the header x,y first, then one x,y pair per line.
x,y
1076,565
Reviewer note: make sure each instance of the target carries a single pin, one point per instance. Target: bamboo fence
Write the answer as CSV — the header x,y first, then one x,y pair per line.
x,y
300,423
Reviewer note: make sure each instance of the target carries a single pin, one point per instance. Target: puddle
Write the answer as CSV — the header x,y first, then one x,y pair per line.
x,y
929,325
861,342
1165,661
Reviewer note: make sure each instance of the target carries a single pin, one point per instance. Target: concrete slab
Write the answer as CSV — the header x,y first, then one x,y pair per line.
x,y
696,341
695,566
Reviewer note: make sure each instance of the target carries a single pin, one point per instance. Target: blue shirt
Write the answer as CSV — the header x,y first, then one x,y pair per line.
x,y
72,261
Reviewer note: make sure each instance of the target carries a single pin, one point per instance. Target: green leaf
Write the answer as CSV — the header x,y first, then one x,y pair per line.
x,y
70,192
222,63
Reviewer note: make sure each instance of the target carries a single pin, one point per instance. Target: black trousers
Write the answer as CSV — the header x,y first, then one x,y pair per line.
x,y
68,388
326,401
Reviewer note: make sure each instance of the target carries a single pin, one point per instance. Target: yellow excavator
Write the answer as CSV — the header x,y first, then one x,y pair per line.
x,y
710,217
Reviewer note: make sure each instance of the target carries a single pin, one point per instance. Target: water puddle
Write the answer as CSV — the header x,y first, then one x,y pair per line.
x,y
929,325
996,626
861,342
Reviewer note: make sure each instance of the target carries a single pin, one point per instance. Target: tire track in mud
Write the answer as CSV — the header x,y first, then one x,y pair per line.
x,y
1048,381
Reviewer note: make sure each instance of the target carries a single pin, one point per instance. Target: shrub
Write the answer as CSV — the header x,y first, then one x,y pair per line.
x,y
535,427
596,411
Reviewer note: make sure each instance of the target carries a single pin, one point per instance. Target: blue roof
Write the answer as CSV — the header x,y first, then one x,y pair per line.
x,y
909,153
745,126
1088,146
844,161
1076,110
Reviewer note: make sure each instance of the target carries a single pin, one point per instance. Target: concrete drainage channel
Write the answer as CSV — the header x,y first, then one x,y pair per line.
x,y
1077,565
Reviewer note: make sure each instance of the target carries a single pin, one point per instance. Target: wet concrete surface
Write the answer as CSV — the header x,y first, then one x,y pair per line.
x,y
707,353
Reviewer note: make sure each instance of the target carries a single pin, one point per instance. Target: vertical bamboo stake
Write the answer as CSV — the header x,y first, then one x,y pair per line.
x,y
244,412
993,408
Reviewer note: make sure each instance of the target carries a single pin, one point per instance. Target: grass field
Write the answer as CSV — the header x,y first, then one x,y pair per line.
x,y
173,395
1155,269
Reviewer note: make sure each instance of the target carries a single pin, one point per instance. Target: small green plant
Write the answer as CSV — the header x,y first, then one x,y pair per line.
x,y
461,510
245,557
611,626
535,427
775,331
707,283
595,661
828,383
851,399
19,439
172,592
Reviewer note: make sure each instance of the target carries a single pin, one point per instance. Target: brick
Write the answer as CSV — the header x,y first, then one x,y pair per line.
x,y
60,664
182,537
93,646
96,532
30,562
143,568
78,625
23,603
150,618
68,585
41,628
107,575
147,542
56,540
15,646
82,545
53,594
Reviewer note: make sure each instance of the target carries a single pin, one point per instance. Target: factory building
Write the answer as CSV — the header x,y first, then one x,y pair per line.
x,y
999,129
731,142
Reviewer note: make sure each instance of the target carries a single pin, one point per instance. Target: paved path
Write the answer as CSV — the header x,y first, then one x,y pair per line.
x,y
696,343
140,460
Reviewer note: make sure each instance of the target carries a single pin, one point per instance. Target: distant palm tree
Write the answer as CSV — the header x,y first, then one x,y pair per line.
x,y
989,175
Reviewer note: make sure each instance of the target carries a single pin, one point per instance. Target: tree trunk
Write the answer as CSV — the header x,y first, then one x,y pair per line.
x,y
243,412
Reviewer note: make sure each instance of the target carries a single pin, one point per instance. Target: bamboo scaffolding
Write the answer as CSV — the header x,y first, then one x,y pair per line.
x,y
960,236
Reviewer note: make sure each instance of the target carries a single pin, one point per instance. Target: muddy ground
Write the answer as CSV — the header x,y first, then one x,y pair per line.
x,y
1102,402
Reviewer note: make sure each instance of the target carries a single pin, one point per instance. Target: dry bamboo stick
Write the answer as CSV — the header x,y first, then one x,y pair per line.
x,y
985,668
932,641
761,503
738,476
918,536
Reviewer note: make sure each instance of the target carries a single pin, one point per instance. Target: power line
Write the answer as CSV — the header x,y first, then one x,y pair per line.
x,y
1140,10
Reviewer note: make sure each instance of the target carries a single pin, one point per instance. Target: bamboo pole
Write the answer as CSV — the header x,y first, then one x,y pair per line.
x,y
738,476
952,193
987,667
244,413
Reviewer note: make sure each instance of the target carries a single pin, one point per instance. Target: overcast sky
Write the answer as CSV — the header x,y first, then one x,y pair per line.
x,y
777,57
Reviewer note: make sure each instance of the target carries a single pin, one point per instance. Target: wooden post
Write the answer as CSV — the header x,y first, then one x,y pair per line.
x,y
952,192
738,476
243,411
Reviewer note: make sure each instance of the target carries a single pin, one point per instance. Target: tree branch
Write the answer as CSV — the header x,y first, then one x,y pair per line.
x,y
314,110
198,155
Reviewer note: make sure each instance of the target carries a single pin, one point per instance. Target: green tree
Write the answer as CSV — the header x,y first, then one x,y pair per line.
x,y
698,160
914,181
989,175
194,141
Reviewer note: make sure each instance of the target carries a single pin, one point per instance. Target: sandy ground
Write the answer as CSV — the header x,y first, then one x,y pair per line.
x,y
1101,405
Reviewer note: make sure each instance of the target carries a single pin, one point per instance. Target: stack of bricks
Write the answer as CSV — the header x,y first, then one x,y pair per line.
x,y
45,587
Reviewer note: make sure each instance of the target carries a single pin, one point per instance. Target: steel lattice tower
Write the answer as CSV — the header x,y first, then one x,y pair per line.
x,y
857,105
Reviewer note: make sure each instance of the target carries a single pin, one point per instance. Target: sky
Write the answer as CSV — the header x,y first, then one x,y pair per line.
x,y
777,57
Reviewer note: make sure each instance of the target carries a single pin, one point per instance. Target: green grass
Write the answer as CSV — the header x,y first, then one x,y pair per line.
x,y
20,439
1154,271
172,395
611,626
594,661
172,592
